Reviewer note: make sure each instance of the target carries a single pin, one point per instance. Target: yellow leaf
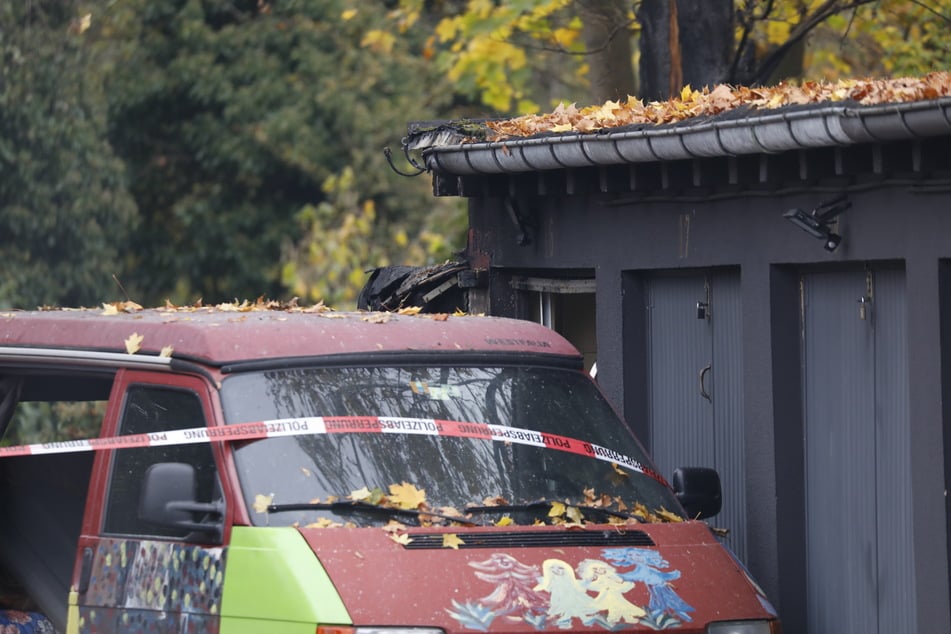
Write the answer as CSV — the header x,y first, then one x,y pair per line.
x,y
409,310
562,127
360,494
407,496
574,514
667,515
377,318
348,15
557,509
324,522
505,520
110,309
261,502
618,470
134,343
378,41
401,538
166,352
451,540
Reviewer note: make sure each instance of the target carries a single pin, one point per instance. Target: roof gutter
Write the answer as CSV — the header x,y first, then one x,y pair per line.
x,y
768,133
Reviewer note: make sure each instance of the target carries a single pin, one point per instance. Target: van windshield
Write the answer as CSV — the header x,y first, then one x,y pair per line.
x,y
454,437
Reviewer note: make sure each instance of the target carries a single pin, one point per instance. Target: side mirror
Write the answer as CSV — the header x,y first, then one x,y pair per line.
x,y
168,499
698,491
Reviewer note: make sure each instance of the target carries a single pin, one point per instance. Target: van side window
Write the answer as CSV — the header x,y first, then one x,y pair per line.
x,y
153,409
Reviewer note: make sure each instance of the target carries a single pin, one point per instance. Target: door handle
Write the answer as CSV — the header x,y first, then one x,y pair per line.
x,y
703,387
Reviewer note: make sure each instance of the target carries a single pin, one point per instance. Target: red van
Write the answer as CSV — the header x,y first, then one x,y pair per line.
x,y
247,469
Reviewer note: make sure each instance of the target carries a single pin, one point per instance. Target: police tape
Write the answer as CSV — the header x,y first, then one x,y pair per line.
x,y
317,425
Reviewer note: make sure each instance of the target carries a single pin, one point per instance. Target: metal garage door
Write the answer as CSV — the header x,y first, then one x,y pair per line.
x,y
694,336
855,383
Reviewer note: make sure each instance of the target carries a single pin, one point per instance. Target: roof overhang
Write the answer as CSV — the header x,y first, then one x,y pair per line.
x,y
794,128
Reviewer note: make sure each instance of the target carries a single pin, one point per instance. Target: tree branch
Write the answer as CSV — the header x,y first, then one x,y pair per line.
x,y
801,30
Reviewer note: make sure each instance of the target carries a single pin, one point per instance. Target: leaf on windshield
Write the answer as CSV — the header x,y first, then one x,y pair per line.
x,y
359,495
261,502
557,509
407,496
668,516
369,496
505,520
306,471
574,514
394,526
619,471
496,501
451,540
324,522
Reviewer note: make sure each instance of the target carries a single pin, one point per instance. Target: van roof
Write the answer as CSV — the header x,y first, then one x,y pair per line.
x,y
224,335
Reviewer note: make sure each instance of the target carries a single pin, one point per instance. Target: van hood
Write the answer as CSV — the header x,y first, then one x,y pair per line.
x,y
538,578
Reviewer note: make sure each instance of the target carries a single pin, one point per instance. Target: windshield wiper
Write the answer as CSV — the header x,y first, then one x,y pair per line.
x,y
363,507
541,504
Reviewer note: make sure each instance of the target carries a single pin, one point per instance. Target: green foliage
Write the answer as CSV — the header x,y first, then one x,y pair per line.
x,y
340,238
231,117
64,209
42,422
889,38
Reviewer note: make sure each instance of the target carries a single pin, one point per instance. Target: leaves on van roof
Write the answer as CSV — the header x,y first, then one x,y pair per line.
x,y
133,343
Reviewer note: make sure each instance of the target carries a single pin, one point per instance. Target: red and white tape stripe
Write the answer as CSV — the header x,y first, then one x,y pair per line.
x,y
338,425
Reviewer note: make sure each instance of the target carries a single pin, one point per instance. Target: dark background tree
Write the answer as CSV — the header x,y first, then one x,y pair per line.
x,y
65,212
224,149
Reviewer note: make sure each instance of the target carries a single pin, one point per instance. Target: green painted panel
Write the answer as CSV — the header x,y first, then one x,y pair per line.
x,y
274,583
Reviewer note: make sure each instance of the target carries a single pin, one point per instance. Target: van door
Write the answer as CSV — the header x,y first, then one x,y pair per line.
x,y
133,575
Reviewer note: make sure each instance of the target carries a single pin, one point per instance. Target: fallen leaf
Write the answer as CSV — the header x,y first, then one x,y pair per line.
x,y
393,526
409,310
407,496
109,309
261,502
557,509
166,352
134,343
574,514
451,540
359,495
401,538
324,522
505,520
667,515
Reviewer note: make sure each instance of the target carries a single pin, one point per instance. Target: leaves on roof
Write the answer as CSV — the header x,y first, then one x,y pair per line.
x,y
719,99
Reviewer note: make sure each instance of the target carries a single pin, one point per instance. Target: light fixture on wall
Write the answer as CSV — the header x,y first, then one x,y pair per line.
x,y
817,223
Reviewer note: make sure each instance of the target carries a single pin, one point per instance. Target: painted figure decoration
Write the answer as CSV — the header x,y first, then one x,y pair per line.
x,y
596,592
